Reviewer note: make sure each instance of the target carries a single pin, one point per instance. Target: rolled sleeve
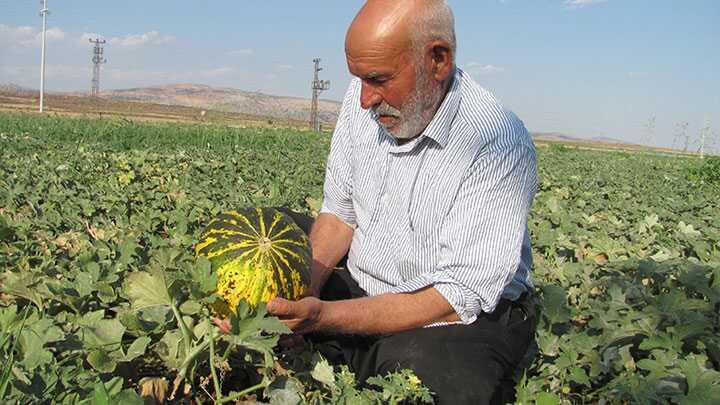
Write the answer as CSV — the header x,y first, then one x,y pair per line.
x,y
482,235
338,187
460,298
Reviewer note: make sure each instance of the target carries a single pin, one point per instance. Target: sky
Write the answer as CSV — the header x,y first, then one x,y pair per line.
x,y
634,70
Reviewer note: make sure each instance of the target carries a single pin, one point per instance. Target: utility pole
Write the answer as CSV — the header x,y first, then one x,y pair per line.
x,y
704,132
97,60
317,86
681,136
43,13
650,132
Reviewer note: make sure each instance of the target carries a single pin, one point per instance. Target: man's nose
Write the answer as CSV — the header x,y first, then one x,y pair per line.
x,y
369,98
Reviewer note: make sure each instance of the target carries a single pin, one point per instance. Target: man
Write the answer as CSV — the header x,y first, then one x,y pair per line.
x,y
427,191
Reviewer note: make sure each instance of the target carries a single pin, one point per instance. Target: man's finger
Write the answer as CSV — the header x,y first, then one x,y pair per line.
x,y
281,307
222,324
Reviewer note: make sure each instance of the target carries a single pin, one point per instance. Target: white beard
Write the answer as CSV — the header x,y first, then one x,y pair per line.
x,y
417,111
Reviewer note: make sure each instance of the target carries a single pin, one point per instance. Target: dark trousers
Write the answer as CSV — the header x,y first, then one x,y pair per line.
x,y
461,364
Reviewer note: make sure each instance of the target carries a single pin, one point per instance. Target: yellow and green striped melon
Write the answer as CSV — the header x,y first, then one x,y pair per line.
x,y
258,254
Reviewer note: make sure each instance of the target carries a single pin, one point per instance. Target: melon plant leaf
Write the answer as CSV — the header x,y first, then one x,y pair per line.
x,y
579,376
205,279
101,361
101,333
33,339
555,303
128,397
6,232
546,398
22,285
137,348
703,385
284,391
100,394
147,289
323,372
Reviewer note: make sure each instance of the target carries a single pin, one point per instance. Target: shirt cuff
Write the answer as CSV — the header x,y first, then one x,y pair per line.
x,y
465,303
347,215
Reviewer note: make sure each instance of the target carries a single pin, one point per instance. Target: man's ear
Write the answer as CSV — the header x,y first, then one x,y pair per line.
x,y
440,59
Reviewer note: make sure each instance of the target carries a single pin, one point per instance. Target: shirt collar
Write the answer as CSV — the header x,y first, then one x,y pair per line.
x,y
439,127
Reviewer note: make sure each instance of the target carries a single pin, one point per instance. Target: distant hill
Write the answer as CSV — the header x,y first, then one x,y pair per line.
x,y
12,88
558,137
228,100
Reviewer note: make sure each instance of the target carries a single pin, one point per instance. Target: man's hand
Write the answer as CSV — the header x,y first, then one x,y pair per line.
x,y
223,325
301,316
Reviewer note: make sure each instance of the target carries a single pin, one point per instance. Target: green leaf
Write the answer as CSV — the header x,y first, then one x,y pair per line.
x,y
6,231
555,303
148,289
114,386
101,361
33,339
579,376
546,398
128,397
101,333
703,384
205,279
100,395
127,250
323,372
137,348
284,391
170,350
21,285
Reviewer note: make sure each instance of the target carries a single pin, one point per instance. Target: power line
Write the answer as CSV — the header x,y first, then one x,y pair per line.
x,y
97,60
43,13
317,86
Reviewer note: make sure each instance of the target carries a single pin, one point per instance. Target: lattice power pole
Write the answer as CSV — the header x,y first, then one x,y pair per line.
x,y
317,86
704,132
97,60
43,13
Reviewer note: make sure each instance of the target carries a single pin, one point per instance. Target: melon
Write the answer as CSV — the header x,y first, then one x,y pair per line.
x,y
258,254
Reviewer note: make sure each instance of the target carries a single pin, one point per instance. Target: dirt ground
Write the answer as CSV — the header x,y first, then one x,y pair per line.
x,y
71,105
98,107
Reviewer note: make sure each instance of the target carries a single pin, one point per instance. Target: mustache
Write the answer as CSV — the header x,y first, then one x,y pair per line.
x,y
386,109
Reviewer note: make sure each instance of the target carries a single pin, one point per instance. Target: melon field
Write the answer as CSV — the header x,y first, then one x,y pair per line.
x,y
103,301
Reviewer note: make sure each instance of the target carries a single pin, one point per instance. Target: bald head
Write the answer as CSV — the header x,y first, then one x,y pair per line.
x,y
403,53
401,25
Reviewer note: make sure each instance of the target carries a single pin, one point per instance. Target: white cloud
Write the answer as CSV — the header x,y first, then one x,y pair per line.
x,y
283,67
484,69
53,34
137,40
582,3
26,36
219,71
240,52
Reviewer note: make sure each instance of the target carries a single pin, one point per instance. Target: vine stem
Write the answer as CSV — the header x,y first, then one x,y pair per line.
x,y
216,381
188,336
242,393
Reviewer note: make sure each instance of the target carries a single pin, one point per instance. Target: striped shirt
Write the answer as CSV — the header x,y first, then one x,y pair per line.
x,y
447,209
